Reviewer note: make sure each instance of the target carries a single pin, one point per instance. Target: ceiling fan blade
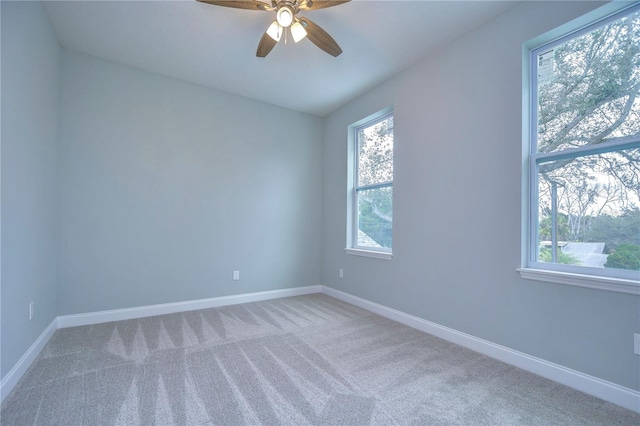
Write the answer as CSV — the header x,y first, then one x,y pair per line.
x,y
320,37
320,4
241,4
265,46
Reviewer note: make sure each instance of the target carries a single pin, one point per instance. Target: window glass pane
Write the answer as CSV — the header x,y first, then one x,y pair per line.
x,y
596,203
588,87
375,217
375,153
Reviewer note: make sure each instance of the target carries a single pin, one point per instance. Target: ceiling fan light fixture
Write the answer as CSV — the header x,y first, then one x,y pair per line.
x,y
287,21
285,16
298,32
275,31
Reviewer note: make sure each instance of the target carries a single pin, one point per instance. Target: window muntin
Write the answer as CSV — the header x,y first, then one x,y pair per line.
x,y
373,185
585,151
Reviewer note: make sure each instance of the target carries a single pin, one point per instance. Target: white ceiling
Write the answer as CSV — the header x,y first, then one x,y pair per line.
x,y
215,46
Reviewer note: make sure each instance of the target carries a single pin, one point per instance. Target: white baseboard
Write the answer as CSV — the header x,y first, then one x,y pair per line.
x,y
620,395
625,397
10,380
170,308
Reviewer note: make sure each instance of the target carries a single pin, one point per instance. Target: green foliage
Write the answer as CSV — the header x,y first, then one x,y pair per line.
x,y
375,167
563,228
615,230
375,214
592,99
565,258
626,256
375,153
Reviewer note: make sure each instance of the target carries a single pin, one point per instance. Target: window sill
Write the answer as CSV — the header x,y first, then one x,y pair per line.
x,y
590,281
370,253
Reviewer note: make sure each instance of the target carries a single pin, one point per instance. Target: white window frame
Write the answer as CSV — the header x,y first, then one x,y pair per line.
x,y
352,246
612,280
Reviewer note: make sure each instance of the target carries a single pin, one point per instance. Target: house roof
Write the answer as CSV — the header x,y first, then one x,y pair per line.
x,y
366,241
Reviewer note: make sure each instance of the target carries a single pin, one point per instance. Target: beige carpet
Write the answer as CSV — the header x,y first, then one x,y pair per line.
x,y
308,360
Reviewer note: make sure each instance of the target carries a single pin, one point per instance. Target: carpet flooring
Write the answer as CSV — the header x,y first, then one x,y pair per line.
x,y
307,360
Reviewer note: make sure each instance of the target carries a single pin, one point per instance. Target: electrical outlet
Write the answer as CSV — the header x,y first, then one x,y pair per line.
x,y
340,273
636,344
30,311
236,275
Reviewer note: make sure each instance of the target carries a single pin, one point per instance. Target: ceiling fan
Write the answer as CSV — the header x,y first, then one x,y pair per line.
x,y
286,11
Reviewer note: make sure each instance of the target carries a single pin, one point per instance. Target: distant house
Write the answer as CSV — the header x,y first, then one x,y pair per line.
x,y
589,254
366,241
548,244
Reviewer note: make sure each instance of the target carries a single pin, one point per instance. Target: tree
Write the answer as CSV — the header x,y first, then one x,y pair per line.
x,y
377,225
592,100
626,256
562,226
375,167
615,230
592,97
375,153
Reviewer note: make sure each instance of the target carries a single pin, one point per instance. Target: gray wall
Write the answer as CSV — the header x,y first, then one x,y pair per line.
x,y
167,187
30,98
158,189
457,193
121,188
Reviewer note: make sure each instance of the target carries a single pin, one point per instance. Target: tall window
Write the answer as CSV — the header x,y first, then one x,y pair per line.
x,y
372,196
584,159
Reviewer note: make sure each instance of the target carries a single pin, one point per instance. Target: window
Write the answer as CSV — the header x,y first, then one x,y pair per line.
x,y
371,194
584,156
